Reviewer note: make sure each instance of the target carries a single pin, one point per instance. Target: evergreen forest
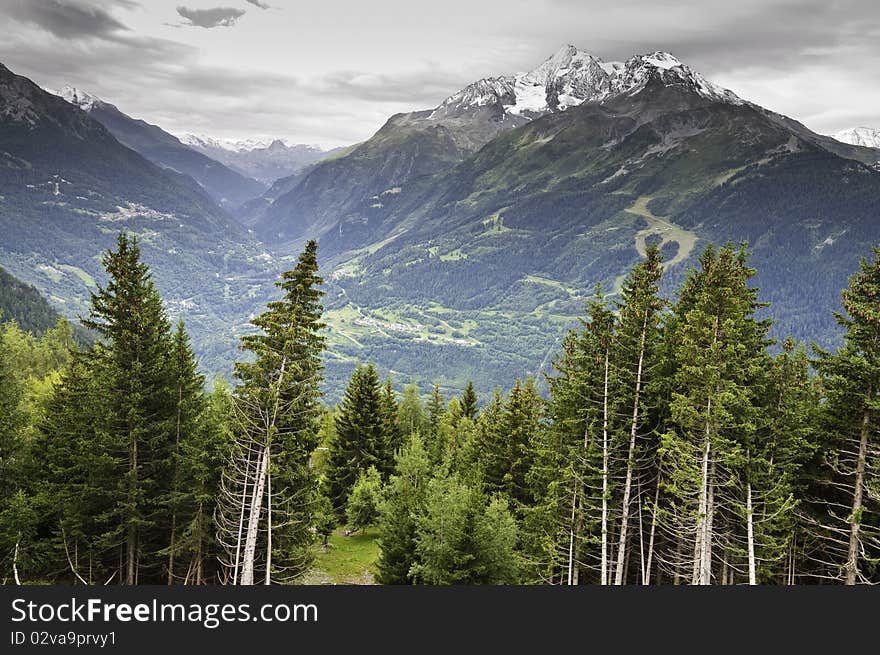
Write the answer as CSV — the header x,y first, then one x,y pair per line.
x,y
678,443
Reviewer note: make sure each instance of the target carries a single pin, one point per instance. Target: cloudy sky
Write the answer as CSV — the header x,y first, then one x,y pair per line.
x,y
331,72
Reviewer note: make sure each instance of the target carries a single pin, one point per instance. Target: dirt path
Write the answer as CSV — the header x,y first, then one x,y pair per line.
x,y
667,232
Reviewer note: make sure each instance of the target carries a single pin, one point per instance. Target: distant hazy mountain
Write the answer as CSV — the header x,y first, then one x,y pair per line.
x,y
266,161
68,187
860,136
228,187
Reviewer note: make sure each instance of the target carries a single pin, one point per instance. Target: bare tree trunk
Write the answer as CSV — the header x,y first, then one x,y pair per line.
x,y
269,523
702,510
653,532
15,564
852,562
244,487
250,544
199,546
630,459
706,568
676,575
641,542
71,563
750,528
703,546
604,565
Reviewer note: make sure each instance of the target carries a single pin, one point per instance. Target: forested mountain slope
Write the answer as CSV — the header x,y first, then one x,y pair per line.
x,y
226,186
68,187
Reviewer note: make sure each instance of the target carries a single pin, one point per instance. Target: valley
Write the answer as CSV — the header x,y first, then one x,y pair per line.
x,y
457,243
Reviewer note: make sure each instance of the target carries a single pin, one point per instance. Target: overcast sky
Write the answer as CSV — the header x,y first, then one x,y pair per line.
x,y
330,72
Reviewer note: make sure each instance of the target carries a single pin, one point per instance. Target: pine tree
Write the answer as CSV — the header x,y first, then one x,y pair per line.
x,y
267,485
365,500
133,374
633,363
202,457
80,476
436,411
15,522
792,411
469,402
570,477
523,412
709,451
463,537
189,409
849,520
391,430
411,412
360,437
405,497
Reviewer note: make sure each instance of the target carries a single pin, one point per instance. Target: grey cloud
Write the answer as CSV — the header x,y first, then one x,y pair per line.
x,y
209,18
422,87
258,3
67,20
721,35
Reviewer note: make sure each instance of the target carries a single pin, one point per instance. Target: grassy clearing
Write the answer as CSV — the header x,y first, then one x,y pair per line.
x,y
87,279
347,560
453,256
537,279
51,272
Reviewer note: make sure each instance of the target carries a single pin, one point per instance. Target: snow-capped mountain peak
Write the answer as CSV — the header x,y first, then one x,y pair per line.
x,y
859,136
640,69
662,60
232,145
78,97
571,77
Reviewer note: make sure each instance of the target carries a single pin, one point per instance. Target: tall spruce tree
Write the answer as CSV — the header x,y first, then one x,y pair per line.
x,y
849,522
633,364
137,392
267,487
189,416
411,412
360,437
12,450
720,352
571,476
436,407
469,401
391,429
405,498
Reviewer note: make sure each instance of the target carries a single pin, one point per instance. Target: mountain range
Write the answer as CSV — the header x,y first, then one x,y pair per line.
x,y
466,238
263,160
860,136
68,186
226,186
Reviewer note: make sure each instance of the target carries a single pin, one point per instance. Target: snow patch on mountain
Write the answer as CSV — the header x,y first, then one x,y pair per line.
x,y
571,77
234,145
859,136
82,99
